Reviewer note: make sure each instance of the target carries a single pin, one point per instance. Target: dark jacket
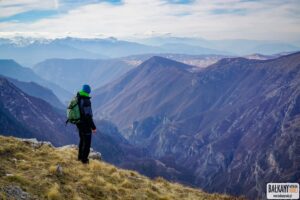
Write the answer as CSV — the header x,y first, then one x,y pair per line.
x,y
86,124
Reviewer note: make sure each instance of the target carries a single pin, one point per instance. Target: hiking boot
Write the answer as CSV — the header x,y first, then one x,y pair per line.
x,y
85,161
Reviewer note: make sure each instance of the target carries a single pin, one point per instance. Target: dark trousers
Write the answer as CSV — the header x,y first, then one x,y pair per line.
x,y
84,146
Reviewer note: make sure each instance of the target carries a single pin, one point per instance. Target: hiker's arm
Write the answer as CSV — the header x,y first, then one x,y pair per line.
x,y
89,116
91,123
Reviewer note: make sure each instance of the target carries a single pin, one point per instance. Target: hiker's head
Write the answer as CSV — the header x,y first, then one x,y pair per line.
x,y
86,88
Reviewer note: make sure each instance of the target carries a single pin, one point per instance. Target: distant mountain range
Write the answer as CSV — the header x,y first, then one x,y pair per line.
x,y
29,51
109,47
71,74
231,127
32,53
199,61
235,46
13,70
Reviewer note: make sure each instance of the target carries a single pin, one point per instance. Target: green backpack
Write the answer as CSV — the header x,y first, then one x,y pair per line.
x,y
73,111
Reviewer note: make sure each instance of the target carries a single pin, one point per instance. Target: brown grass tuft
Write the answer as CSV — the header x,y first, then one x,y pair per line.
x,y
127,184
52,169
54,193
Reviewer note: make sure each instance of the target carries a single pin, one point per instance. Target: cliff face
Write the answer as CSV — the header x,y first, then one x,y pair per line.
x,y
248,136
233,124
39,171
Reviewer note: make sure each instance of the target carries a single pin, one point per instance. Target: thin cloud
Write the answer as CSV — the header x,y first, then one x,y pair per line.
x,y
10,8
179,1
213,19
14,7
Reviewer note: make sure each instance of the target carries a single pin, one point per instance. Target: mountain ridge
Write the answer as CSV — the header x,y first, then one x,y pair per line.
x,y
204,123
36,90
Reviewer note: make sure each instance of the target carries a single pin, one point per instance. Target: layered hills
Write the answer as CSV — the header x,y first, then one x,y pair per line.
x,y
29,51
12,69
70,74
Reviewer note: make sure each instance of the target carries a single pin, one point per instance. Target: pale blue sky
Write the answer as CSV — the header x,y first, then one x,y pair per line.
x,y
212,19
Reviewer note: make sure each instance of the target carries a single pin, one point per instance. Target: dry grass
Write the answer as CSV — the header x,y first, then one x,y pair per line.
x,y
35,171
54,193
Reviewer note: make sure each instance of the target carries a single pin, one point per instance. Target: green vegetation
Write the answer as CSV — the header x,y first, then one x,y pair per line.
x,y
34,170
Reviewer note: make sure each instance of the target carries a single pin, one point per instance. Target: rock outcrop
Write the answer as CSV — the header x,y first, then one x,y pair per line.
x,y
15,192
33,142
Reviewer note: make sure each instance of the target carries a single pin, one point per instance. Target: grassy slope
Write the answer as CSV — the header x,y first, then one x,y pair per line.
x,y
34,170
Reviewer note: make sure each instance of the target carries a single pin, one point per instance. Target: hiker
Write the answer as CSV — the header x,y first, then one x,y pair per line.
x,y
86,124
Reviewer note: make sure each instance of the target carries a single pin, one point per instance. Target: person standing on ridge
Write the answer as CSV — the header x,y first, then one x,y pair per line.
x,y
86,124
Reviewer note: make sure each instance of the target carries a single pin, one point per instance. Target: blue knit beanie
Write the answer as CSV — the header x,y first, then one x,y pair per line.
x,y
86,88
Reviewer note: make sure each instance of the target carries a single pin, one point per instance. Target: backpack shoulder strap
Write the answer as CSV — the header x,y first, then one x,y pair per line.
x,y
80,104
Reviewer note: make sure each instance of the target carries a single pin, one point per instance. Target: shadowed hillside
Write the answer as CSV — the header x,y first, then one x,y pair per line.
x,y
35,116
